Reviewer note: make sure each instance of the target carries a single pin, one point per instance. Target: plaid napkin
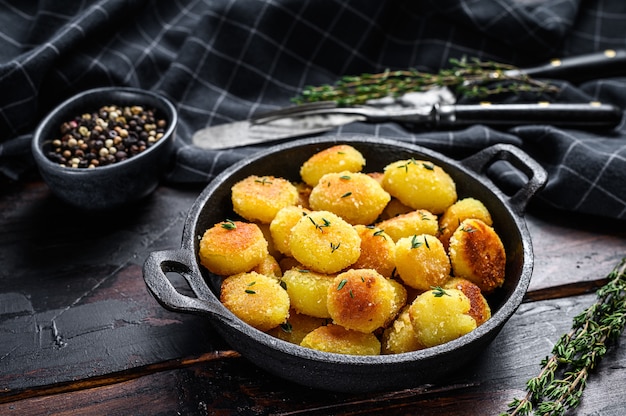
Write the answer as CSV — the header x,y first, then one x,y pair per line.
x,y
223,60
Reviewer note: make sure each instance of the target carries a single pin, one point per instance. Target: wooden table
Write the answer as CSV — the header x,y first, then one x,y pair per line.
x,y
80,334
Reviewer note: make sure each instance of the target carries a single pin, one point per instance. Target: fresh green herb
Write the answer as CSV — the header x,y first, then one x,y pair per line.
x,y
468,229
320,226
286,327
345,177
466,78
428,166
347,194
379,233
439,292
406,165
229,225
415,243
263,181
351,294
334,247
341,284
563,377
250,291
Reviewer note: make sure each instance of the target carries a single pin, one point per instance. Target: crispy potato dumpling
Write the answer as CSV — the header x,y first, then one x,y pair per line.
x,y
361,299
308,291
256,299
354,262
297,327
420,184
400,336
457,213
324,242
422,262
479,308
259,198
399,299
232,247
377,250
281,225
339,340
395,208
412,223
355,197
439,316
333,159
269,267
304,191
477,254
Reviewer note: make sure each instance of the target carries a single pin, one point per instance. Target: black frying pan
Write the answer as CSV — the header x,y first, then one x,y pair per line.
x,y
347,372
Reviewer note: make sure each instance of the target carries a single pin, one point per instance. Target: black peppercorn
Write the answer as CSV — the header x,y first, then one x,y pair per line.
x,y
111,134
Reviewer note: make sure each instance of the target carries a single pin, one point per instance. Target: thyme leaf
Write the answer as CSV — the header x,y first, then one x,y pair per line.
x,y
466,78
560,384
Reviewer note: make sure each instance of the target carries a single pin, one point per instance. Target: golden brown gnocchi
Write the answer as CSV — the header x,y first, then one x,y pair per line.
x,y
477,254
361,300
232,247
412,223
259,198
439,316
355,197
308,291
340,340
256,299
420,184
421,261
324,242
357,263
337,158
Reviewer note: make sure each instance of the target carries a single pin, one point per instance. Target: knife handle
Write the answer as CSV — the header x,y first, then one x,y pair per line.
x,y
591,116
580,68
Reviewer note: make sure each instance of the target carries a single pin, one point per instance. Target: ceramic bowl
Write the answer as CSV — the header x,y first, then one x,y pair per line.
x,y
350,373
115,185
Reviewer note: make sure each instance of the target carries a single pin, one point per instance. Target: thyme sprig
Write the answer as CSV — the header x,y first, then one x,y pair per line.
x,y
563,377
467,78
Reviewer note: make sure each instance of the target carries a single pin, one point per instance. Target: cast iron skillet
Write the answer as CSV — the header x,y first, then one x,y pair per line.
x,y
348,373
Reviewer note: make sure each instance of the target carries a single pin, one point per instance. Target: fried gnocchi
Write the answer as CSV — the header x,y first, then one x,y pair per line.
x,y
352,262
421,261
337,158
377,250
420,184
479,308
259,198
308,291
458,212
439,316
281,225
477,254
339,340
355,197
297,327
400,336
232,247
324,242
256,299
361,300
412,223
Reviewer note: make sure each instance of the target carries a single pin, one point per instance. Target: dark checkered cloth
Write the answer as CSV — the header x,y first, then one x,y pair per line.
x,y
223,60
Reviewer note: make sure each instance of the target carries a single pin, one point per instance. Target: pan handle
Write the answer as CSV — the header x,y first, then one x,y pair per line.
x,y
181,262
537,176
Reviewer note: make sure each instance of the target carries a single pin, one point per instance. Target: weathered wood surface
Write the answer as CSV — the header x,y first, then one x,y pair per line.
x,y
79,333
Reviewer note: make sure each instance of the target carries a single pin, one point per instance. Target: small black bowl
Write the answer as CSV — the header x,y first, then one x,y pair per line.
x,y
115,185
